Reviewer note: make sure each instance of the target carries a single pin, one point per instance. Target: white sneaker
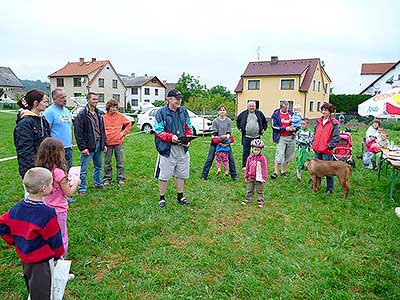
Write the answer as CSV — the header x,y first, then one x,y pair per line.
x,y
71,276
397,211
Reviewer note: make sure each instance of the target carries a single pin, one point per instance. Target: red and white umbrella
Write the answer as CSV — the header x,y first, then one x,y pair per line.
x,y
383,105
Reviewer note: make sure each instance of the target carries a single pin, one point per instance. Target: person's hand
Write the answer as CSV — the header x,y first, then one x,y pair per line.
x,y
85,152
121,134
186,145
175,139
105,149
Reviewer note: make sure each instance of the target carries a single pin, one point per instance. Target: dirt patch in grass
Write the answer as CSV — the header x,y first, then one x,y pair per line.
x,y
107,265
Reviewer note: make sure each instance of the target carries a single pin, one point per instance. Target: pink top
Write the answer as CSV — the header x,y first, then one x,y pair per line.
x,y
57,199
251,167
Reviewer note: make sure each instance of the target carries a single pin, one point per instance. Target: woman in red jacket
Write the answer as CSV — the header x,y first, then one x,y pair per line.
x,y
326,138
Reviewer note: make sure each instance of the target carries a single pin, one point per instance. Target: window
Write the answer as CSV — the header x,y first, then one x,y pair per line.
x,y
156,92
115,84
319,86
101,82
313,85
135,102
318,105
115,97
147,91
257,103
287,84
326,88
291,103
311,105
77,82
101,97
77,94
147,100
60,82
253,85
134,91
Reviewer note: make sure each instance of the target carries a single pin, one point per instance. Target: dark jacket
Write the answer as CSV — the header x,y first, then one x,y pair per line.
x,y
84,131
29,132
169,123
276,124
241,121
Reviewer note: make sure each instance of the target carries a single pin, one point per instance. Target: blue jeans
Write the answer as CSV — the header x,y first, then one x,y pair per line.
x,y
68,156
329,179
246,141
210,159
97,157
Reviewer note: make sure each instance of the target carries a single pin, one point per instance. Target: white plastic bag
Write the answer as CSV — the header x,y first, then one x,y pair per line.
x,y
60,278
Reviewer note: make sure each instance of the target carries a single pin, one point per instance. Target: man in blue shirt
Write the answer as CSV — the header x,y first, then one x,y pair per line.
x,y
60,120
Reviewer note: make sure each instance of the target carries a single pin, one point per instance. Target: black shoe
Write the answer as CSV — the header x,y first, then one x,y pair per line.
x,y
274,176
327,192
284,175
161,203
183,201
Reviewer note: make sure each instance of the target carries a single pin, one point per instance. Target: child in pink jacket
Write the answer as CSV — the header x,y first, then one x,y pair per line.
x,y
256,173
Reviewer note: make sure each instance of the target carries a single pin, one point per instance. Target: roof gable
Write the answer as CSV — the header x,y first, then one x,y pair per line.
x,y
376,68
379,78
140,81
8,78
79,68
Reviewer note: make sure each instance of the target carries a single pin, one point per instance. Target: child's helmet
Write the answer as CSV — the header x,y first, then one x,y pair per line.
x,y
257,143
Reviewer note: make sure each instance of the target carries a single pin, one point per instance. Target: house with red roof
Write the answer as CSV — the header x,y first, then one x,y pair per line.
x,y
379,77
81,77
300,81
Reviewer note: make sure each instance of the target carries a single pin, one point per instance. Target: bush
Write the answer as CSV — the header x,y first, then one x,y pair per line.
x,y
391,124
159,103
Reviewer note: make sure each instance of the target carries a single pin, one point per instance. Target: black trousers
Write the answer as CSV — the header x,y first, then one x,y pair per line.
x,y
38,280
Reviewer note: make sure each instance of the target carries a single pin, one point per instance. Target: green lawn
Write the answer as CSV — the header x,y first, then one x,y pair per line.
x,y
301,245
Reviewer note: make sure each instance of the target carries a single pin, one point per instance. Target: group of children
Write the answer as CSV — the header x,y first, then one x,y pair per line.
x,y
374,142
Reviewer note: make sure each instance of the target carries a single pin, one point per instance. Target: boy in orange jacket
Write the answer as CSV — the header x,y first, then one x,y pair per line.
x,y
116,126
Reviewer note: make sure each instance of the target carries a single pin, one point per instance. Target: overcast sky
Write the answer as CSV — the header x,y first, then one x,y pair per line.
x,y
210,39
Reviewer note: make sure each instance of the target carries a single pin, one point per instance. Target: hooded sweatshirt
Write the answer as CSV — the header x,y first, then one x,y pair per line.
x,y
30,131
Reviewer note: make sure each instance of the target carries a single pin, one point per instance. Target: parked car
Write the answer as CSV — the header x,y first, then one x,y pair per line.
x,y
102,107
200,125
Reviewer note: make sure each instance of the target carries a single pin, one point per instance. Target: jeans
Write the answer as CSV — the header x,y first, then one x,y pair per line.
x,y
246,141
329,179
209,161
97,163
68,156
119,157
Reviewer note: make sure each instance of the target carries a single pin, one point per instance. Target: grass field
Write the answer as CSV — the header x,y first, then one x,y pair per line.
x,y
301,245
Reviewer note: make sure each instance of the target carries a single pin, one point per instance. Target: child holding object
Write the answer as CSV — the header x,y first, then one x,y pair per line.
x,y
256,173
304,139
296,117
51,156
222,152
32,227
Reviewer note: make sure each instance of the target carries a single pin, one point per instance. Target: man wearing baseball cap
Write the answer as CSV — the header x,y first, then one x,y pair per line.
x,y
171,124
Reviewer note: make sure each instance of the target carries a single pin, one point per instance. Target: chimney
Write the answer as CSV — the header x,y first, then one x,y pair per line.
x,y
133,75
93,59
274,60
81,60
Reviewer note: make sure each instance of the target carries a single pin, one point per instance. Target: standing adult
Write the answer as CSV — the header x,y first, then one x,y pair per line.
x,y
171,124
60,120
283,133
31,129
326,138
116,126
91,141
221,125
252,123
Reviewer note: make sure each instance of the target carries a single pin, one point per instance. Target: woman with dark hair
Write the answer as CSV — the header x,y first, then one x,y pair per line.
x,y
326,138
31,129
221,125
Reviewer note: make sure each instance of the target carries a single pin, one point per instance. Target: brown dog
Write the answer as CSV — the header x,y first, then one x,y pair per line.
x,y
318,168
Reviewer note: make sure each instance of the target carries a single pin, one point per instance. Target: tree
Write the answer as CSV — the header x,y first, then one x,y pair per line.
x,y
347,103
189,87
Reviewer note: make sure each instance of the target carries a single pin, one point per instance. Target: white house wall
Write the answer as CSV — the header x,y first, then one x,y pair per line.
x,y
381,85
366,80
142,97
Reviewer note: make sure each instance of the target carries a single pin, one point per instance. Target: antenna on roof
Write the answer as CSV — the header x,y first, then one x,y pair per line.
x,y
323,64
258,53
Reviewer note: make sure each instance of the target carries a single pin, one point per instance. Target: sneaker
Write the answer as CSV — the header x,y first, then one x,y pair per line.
x,y
298,178
327,192
161,203
184,201
397,211
218,171
274,176
70,200
226,173
121,181
99,187
106,182
284,175
82,193
71,276
260,204
245,202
